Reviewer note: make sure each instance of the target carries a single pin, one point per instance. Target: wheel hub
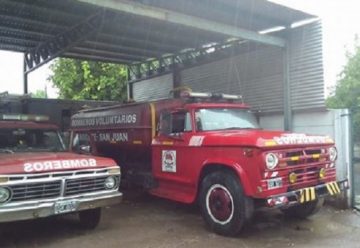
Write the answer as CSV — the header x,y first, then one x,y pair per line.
x,y
220,203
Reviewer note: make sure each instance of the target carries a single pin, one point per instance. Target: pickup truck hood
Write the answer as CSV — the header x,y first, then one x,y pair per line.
x,y
260,138
38,162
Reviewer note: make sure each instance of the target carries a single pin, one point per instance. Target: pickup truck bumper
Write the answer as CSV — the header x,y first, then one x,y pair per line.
x,y
44,208
304,195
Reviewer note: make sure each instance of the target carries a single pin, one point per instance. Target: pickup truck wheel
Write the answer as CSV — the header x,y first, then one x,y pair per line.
x,y
304,210
89,219
223,204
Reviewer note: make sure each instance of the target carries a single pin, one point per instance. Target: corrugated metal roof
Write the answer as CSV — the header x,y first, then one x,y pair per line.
x,y
254,15
257,73
128,38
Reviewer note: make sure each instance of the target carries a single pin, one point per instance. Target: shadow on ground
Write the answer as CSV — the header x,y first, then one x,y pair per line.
x,y
146,221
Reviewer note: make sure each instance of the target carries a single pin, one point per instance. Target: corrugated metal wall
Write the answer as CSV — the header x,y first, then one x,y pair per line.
x,y
153,88
306,67
257,75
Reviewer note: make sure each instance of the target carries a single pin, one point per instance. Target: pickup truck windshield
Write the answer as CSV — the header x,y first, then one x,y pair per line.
x,y
224,118
29,140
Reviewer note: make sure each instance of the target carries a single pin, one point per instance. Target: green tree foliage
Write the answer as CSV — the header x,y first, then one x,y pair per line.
x,y
346,93
89,80
39,94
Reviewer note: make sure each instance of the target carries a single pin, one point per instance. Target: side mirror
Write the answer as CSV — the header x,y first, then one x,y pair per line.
x,y
85,149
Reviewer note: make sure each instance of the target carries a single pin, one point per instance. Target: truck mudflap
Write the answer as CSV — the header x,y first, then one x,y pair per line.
x,y
46,208
308,194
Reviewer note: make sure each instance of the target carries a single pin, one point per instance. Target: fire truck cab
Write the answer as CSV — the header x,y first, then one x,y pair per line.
x,y
40,178
208,148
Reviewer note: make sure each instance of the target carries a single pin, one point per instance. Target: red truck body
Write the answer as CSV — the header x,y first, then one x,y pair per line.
x,y
40,178
176,163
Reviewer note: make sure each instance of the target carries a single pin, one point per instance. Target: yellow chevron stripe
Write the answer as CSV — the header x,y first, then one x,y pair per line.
x,y
312,193
334,188
302,195
329,189
337,187
307,198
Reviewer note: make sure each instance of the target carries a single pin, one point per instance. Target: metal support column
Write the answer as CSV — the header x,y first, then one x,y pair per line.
x,y
176,76
287,90
130,91
25,77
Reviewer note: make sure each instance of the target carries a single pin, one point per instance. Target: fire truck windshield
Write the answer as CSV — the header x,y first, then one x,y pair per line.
x,y
224,118
29,140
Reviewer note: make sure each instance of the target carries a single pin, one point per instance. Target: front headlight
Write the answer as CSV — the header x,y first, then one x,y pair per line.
x,y
110,182
332,154
5,194
271,160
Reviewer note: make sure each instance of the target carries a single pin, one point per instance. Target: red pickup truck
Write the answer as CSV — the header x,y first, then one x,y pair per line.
x,y
39,178
208,148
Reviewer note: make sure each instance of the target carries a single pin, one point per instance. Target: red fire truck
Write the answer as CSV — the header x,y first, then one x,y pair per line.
x,y
208,148
39,178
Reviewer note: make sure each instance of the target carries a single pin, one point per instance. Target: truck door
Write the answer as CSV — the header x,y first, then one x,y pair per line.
x,y
170,150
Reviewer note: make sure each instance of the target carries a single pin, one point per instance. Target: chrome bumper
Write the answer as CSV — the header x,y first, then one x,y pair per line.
x,y
308,194
44,208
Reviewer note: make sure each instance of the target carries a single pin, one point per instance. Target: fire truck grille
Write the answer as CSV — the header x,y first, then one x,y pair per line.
x,y
301,157
84,185
35,191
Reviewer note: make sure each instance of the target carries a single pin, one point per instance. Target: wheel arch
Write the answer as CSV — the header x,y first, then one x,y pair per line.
x,y
234,168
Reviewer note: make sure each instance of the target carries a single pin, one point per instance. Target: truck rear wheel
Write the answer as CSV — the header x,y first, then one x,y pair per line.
x,y
304,210
89,219
223,204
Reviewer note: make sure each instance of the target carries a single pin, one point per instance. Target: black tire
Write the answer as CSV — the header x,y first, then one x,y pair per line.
x,y
89,219
223,204
304,210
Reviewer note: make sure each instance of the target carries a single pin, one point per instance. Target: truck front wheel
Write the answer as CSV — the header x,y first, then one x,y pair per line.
x,y
223,204
304,210
89,219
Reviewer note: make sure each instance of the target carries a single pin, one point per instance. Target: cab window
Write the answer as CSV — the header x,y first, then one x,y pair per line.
x,y
81,143
176,122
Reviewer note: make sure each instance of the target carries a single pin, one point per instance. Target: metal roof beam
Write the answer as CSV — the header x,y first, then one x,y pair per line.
x,y
121,39
157,30
219,10
12,47
29,10
186,59
186,20
18,35
17,41
95,58
24,22
48,50
20,30
112,54
158,36
100,46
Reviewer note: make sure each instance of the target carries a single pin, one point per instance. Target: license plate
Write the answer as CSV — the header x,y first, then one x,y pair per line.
x,y
61,207
274,183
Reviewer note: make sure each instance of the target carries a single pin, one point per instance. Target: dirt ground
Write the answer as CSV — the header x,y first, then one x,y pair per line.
x,y
146,221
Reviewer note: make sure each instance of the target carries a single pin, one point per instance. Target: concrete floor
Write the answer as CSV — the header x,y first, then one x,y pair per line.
x,y
146,221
